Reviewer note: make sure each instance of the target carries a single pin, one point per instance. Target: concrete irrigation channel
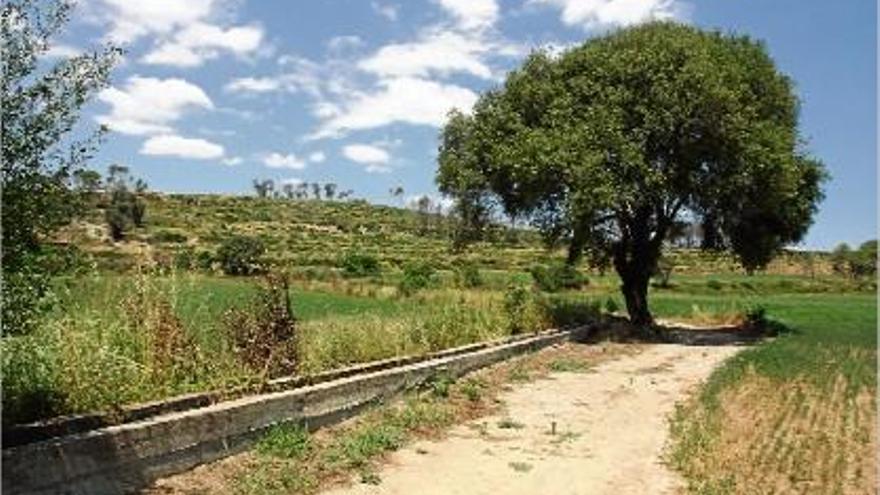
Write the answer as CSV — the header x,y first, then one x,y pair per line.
x,y
94,455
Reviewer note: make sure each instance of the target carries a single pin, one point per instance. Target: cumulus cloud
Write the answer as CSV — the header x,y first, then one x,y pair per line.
x,y
317,157
198,42
232,161
279,160
472,14
181,147
366,154
438,52
407,100
130,20
598,14
148,105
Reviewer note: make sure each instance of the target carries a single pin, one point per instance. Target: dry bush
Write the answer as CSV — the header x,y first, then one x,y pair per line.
x,y
263,333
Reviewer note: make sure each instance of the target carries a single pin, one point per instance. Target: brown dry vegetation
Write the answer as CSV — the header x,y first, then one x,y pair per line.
x,y
793,437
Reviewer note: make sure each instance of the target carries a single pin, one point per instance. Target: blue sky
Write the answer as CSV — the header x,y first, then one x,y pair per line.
x,y
214,93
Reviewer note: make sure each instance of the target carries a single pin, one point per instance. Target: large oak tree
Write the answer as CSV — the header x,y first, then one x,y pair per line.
x,y
607,145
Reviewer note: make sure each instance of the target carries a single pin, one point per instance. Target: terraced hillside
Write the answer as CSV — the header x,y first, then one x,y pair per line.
x,y
316,233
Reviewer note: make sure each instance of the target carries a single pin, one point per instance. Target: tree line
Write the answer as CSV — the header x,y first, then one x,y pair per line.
x,y
267,188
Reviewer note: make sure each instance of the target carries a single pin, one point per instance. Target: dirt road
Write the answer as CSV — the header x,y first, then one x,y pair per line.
x,y
610,430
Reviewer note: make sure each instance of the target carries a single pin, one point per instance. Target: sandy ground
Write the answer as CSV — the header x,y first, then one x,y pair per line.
x,y
610,430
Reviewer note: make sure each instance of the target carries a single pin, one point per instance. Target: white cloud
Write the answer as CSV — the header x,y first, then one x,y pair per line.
x,y
367,154
405,99
130,20
598,14
147,105
181,147
317,157
278,160
253,85
441,52
198,42
62,51
387,11
472,14
232,160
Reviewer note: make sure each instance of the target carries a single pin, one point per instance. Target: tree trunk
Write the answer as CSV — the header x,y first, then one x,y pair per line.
x,y
635,293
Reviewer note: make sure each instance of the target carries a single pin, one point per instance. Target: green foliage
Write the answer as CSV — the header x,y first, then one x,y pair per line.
x,y
606,146
356,264
241,255
168,236
467,275
416,276
39,107
288,441
516,302
126,209
557,276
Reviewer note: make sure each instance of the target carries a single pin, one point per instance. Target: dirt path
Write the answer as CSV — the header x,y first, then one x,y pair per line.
x,y
611,426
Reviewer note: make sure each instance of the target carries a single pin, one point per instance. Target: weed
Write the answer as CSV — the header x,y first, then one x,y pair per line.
x,y
288,441
472,389
520,467
264,334
509,424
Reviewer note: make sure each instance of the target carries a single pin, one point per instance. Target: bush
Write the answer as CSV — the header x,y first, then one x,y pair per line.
x,y
557,276
27,295
516,303
241,255
356,264
264,333
416,276
467,275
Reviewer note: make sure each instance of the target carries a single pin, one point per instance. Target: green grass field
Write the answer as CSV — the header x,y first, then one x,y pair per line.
x,y
796,415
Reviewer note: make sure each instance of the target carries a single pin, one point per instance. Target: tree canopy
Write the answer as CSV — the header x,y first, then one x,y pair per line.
x,y
606,146
40,104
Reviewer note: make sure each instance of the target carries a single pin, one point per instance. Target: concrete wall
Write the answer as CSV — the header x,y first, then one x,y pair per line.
x,y
126,457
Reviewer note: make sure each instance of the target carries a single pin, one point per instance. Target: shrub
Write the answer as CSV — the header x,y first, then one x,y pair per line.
x,y
557,276
416,276
263,333
241,255
27,295
184,258
467,275
355,264
516,302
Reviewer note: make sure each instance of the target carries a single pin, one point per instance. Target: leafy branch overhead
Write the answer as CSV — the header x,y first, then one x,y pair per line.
x,y
608,145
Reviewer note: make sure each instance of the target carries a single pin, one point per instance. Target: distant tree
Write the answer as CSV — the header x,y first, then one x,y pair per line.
x,y
302,190
863,262
127,208
261,188
40,104
345,194
840,257
606,146
87,181
316,190
241,255
422,205
288,190
329,190
396,192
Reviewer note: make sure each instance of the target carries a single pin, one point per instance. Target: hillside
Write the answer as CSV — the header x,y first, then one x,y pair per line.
x,y
316,233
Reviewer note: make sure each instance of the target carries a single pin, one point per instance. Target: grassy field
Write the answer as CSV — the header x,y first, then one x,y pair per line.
x,y
118,339
796,415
